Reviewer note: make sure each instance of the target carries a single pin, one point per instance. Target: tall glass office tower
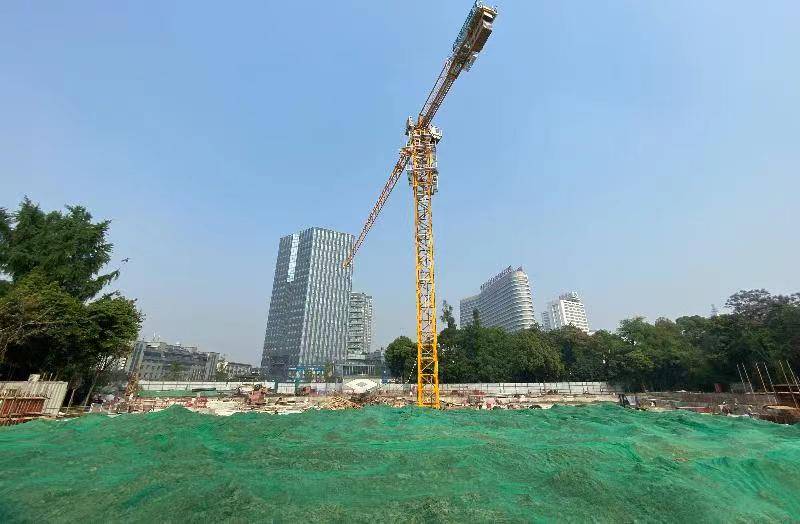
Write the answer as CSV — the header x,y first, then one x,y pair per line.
x,y
307,321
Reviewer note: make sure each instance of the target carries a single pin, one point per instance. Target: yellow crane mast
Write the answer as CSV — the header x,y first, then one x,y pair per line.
x,y
423,174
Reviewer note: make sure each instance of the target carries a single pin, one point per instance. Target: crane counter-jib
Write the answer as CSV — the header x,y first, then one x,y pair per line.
x,y
478,23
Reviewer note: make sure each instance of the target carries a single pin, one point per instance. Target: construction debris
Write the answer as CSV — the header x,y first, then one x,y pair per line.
x,y
258,398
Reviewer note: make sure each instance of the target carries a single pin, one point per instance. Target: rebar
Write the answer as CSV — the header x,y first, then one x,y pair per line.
x,y
794,400
771,385
794,377
744,368
769,377
760,376
744,388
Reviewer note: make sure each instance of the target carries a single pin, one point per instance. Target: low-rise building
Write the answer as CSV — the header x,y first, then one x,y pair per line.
x,y
360,364
236,369
164,361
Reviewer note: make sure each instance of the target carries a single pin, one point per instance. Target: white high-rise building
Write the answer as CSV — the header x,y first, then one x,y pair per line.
x,y
566,310
359,324
504,301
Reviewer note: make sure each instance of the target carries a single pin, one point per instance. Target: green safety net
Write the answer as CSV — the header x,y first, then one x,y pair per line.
x,y
593,463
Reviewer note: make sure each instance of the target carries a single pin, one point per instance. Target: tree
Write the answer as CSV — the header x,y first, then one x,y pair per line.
x,y
447,315
610,349
759,328
489,348
32,310
53,318
67,248
533,358
763,327
329,373
174,372
580,360
221,372
757,304
660,357
691,352
454,366
401,358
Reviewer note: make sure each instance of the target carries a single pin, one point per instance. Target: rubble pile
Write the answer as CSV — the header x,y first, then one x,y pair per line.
x,y
337,402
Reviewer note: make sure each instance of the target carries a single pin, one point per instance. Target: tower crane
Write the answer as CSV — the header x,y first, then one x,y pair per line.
x,y
420,152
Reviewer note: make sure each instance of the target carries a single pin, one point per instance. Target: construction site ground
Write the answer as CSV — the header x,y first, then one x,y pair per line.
x,y
215,404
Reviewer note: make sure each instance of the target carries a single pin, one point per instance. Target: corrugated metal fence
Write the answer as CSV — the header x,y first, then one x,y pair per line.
x,y
54,392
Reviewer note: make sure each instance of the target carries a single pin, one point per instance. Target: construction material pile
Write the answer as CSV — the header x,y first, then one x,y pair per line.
x,y
336,402
598,462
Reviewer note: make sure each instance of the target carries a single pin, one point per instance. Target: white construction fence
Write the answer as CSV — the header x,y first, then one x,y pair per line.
x,y
323,388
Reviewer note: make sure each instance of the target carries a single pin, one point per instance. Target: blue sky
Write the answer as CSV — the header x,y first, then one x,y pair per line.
x,y
644,154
